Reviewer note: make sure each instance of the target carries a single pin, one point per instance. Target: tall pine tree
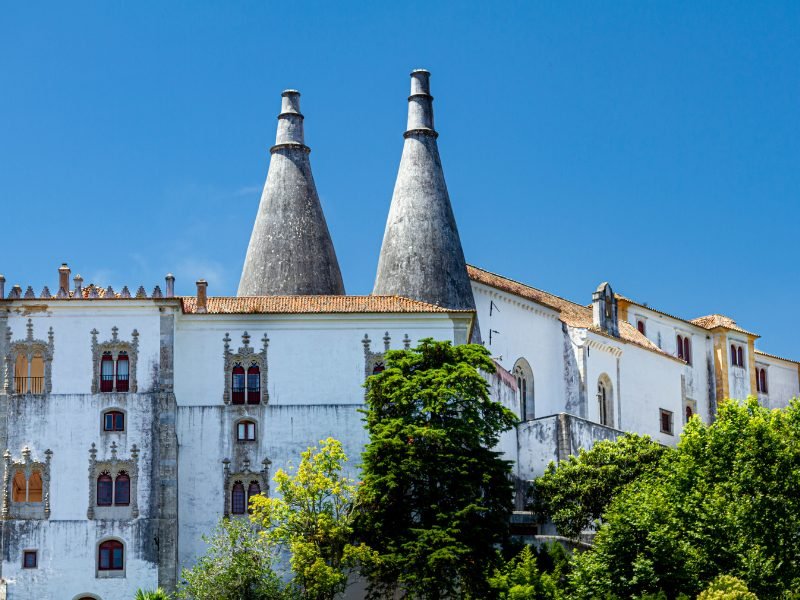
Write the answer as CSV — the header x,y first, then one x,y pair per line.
x,y
436,497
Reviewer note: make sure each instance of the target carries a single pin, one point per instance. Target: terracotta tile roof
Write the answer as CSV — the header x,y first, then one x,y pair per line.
x,y
714,321
797,362
655,310
221,305
574,315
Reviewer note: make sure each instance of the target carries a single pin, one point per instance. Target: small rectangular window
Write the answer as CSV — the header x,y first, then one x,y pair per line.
x,y
29,559
666,421
640,326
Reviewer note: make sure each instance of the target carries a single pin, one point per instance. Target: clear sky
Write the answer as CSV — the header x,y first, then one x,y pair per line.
x,y
655,145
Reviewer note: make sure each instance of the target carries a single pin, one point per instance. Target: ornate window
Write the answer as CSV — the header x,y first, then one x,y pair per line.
x,y
737,355
246,431
523,374
374,362
114,363
26,487
245,372
113,484
114,421
605,400
29,559
761,380
28,363
242,485
111,556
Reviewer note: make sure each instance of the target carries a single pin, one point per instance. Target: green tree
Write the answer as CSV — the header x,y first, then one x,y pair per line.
x,y
236,566
725,501
521,579
575,493
727,587
436,498
157,594
312,517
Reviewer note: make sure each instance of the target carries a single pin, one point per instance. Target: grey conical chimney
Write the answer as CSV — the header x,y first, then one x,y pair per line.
x,y
421,255
290,251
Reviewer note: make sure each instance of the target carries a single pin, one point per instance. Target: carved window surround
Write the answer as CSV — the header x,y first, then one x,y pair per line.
x,y
373,360
113,466
245,476
26,510
29,347
245,357
115,347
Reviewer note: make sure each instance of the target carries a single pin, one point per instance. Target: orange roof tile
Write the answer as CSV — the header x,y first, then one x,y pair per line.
x,y
574,315
714,321
767,354
220,305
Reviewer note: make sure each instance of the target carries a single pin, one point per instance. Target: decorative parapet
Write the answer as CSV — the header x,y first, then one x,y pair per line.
x,y
373,361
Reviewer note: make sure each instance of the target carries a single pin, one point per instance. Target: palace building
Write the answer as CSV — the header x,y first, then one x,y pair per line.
x,y
131,420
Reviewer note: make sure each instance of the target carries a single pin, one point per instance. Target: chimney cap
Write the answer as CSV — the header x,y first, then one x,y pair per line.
x,y
170,276
420,71
290,92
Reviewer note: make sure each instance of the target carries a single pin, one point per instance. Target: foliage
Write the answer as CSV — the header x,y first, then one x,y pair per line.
x,y
727,587
236,566
725,501
312,517
521,579
575,493
157,594
436,498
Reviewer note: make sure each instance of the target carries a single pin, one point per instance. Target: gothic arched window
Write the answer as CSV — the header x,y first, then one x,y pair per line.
x,y
107,372
111,556
254,489
237,384
523,374
687,350
605,401
105,490
123,371
19,488
254,384
122,489
35,487
740,356
238,499
679,345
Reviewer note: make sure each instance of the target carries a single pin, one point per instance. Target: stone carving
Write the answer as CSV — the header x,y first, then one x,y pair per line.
x,y
245,476
30,347
113,466
246,356
115,347
373,361
26,466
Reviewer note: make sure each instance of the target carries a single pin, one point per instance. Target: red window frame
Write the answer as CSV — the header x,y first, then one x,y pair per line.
x,y
113,420
122,379
246,431
30,559
237,384
253,385
122,489
238,499
111,556
640,327
105,490
106,379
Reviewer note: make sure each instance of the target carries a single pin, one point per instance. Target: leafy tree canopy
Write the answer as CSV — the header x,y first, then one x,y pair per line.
x,y
312,517
436,497
725,501
575,493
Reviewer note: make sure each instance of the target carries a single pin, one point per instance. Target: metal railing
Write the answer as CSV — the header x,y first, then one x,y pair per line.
x,y
29,385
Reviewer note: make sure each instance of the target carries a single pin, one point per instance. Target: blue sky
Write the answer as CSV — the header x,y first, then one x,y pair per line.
x,y
655,145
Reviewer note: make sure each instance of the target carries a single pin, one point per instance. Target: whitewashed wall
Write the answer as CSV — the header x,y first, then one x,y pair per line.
x,y
782,381
527,330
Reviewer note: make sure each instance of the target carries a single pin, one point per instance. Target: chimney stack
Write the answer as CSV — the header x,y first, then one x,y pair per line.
x,y
170,279
421,256
63,278
604,310
202,299
78,281
2,287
